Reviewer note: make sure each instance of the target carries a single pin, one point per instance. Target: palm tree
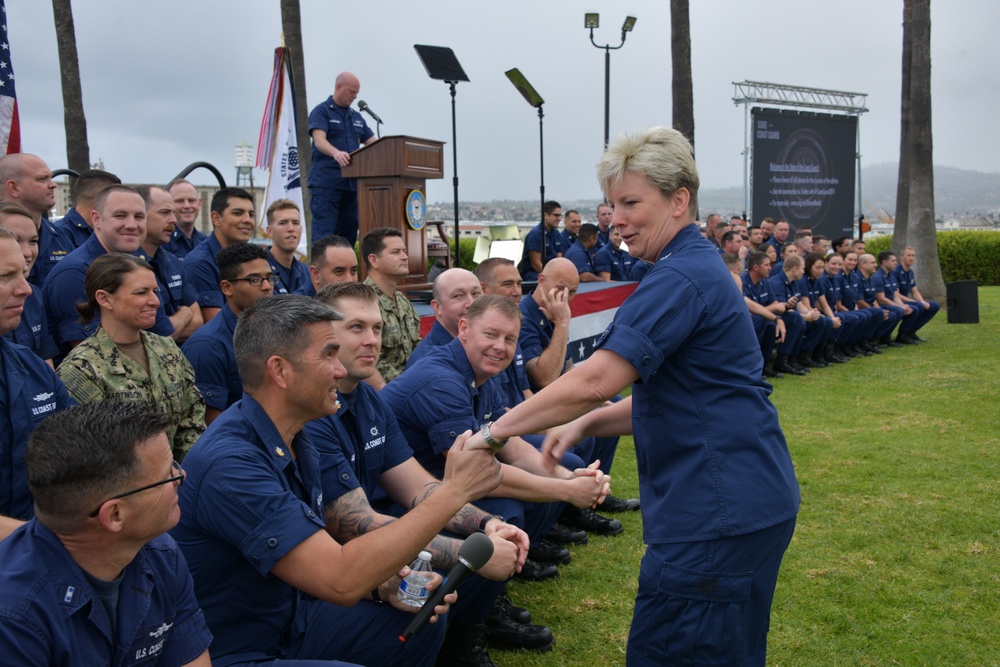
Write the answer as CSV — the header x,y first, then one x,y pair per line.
x,y
680,50
291,25
921,232
77,147
903,180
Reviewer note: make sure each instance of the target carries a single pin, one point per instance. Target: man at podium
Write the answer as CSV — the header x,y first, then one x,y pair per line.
x,y
336,130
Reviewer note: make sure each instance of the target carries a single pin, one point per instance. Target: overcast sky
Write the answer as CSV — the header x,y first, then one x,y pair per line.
x,y
166,83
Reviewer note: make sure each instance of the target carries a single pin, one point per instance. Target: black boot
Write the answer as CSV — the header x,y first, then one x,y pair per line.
x,y
782,365
464,646
504,632
805,361
831,355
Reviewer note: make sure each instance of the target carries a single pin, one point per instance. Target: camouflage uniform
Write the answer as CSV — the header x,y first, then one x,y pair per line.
x,y
97,369
400,331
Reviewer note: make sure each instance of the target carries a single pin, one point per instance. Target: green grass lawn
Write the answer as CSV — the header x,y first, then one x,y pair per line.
x,y
896,556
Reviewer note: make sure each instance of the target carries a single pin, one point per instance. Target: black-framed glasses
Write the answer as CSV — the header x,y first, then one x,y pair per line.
x,y
256,281
178,477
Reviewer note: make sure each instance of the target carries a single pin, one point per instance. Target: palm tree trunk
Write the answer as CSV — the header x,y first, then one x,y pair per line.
x,y
680,51
899,227
921,232
77,147
291,25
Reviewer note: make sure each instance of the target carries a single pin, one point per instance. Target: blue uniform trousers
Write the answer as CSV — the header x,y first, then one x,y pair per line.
x,y
795,326
334,211
765,330
923,315
906,322
707,602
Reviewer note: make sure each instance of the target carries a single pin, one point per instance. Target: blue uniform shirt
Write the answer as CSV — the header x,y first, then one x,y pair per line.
x,y
65,287
784,289
866,288
582,258
33,331
53,247
346,130
51,615
181,246
513,380
357,444
688,335
533,242
73,226
568,238
603,237
210,351
849,289
292,279
615,261
437,400
760,293
639,269
884,282
30,392
813,290
536,333
201,270
905,280
436,337
245,504
174,291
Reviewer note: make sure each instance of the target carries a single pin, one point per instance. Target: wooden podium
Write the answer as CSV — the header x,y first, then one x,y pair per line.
x,y
387,172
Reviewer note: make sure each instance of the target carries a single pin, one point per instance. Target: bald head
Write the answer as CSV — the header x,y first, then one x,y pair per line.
x,y
454,292
27,180
560,272
346,89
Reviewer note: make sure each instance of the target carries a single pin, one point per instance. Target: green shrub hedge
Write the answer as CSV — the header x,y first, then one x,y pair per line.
x,y
964,255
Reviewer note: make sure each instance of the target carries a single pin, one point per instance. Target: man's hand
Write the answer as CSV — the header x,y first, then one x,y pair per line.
x,y
508,556
811,316
558,440
836,322
555,306
473,472
779,330
589,486
343,158
390,591
792,301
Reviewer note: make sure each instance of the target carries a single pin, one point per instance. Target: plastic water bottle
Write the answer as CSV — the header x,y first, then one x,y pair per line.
x,y
413,589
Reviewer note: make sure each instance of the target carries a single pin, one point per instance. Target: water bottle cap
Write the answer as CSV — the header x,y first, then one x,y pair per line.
x,y
425,555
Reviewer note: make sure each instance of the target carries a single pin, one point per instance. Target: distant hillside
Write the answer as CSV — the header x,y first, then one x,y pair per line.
x,y
957,192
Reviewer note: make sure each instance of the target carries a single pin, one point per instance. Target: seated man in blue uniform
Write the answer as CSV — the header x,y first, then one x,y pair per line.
x,y
179,299
119,220
715,539
186,236
571,227
612,262
544,236
233,221
337,130
582,254
788,286
26,179
333,260
284,225
93,579
453,292
275,586
849,281
867,297
76,223
545,343
364,457
246,278
452,389
766,313
29,389
910,293
887,296
33,330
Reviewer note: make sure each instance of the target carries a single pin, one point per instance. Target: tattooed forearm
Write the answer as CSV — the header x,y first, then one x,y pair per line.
x,y
429,488
351,516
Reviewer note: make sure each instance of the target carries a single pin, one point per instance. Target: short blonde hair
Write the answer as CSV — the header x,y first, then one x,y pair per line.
x,y
663,155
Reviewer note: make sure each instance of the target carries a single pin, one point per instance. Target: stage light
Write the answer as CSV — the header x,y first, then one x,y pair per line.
x,y
593,21
629,24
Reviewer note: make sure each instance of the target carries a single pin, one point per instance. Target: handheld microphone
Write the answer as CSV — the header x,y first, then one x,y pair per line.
x,y
476,551
368,110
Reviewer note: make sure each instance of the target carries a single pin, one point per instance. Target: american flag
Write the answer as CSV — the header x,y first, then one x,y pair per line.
x,y
10,126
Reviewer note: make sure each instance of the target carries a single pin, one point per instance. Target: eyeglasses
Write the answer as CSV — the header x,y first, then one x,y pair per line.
x,y
256,281
178,477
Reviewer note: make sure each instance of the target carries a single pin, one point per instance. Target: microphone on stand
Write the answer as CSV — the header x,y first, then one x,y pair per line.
x,y
476,551
368,110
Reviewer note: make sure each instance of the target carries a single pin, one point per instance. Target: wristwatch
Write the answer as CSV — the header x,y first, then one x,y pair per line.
x,y
487,519
490,440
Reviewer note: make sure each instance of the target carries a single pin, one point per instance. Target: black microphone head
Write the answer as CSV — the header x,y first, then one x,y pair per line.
x,y
362,104
476,551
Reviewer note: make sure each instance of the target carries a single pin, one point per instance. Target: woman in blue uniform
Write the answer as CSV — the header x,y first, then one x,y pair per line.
x,y
719,495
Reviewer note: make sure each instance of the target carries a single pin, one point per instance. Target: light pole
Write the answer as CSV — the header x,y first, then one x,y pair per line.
x,y
592,21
